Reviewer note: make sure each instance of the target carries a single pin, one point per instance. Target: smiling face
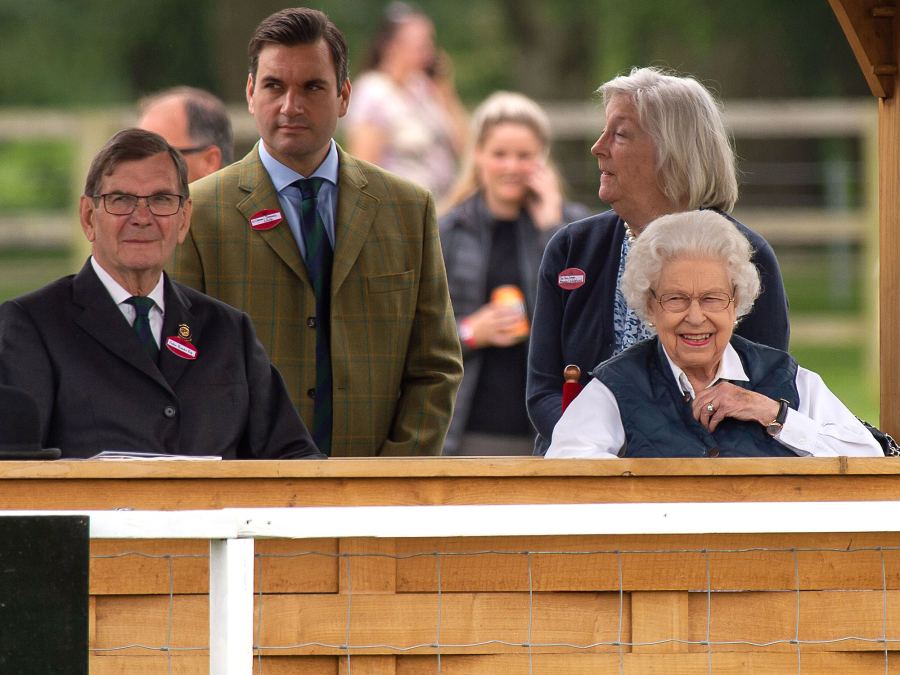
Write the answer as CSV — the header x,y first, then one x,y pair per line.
x,y
694,339
296,102
626,155
505,161
133,249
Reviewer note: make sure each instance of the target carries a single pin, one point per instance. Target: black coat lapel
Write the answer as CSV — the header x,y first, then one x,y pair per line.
x,y
103,321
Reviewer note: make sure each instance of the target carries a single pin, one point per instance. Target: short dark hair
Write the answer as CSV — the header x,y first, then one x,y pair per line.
x,y
300,26
130,145
207,117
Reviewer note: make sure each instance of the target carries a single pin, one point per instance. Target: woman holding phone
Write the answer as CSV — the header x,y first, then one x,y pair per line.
x,y
506,205
406,116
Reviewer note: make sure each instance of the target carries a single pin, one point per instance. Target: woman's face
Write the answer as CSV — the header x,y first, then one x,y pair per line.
x,y
412,45
695,338
505,162
626,155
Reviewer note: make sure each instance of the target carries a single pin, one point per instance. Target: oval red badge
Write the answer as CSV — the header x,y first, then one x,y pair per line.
x,y
265,219
181,347
571,278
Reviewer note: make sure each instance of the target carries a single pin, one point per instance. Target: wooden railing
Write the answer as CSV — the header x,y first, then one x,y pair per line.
x,y
626,597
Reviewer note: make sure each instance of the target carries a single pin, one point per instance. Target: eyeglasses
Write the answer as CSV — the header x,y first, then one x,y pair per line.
x,y
193,149
680,302
123,204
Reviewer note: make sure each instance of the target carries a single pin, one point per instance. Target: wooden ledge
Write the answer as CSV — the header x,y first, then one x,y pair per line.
x,y
445,467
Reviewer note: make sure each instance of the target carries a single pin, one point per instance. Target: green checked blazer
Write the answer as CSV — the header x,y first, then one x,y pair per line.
x,y
395,353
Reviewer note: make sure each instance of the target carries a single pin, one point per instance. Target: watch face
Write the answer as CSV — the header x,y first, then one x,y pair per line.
x,y
773,428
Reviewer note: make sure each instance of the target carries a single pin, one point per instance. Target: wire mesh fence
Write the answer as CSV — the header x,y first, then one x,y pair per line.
x,y
536,604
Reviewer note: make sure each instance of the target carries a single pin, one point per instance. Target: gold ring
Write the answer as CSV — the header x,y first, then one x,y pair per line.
x,y
710,408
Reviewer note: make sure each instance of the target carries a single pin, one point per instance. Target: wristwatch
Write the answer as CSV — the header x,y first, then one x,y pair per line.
x,y
773,428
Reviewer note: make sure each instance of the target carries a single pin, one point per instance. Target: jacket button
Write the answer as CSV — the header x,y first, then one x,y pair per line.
x,y
713,452
311,392
311,322
169,411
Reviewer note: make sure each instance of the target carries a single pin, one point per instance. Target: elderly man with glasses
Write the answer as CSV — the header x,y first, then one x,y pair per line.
x,y
119,357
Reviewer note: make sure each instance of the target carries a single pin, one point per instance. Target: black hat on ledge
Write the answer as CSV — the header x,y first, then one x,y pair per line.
x,y
20,427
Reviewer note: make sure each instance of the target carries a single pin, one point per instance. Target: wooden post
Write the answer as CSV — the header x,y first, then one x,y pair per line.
x,y
889,261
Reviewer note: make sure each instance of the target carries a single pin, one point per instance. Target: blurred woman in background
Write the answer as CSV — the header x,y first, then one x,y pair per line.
x,y
406,116
507,204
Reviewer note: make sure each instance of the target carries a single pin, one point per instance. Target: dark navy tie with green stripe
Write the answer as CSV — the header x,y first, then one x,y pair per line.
x,y
319,258
141,325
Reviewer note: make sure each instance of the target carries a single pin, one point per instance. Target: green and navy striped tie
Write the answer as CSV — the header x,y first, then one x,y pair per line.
x,y
141,325
319,258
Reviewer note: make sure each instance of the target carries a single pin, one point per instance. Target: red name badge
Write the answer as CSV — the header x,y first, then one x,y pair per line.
x,y
571,278
181,347
265,219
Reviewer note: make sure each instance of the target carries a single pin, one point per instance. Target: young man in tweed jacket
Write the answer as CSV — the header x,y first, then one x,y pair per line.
x,y
395,357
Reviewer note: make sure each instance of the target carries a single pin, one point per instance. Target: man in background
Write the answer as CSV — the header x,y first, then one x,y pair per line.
x,y
337,262
195,123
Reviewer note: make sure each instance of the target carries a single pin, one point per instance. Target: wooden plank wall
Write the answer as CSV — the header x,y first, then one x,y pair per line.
x,y
495,597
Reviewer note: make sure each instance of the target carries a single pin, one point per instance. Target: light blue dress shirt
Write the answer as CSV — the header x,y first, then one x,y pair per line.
x,y
289,196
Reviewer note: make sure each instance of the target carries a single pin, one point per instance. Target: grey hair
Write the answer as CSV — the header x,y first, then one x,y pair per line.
x,y
691,235
695,158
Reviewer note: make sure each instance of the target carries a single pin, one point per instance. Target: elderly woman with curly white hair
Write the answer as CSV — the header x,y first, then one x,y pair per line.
x,y
696,389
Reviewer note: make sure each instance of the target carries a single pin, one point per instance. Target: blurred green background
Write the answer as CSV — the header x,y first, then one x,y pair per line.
x,y
81,57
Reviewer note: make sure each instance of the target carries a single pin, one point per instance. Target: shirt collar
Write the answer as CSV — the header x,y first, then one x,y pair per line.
x,y
120,295
730,368
282,176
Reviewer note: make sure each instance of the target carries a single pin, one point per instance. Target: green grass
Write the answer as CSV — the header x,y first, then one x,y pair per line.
x,y
823,280
844,370
23,270
36,174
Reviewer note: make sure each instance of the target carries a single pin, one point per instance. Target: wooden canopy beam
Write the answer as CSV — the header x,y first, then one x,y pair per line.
x,y
869,27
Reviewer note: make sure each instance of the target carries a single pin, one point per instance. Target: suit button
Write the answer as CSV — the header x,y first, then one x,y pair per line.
x,y
713,452
311,321
169,411
311,392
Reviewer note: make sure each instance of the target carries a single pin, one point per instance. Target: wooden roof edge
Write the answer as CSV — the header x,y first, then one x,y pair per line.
x,y
869,28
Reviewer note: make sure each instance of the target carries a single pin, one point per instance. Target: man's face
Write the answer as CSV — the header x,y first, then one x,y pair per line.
x,y
136,246
296,102
167,117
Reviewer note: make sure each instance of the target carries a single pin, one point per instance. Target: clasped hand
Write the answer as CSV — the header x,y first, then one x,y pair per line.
x,y
724,399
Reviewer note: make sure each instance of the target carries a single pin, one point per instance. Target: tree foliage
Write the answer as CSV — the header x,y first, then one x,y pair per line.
x,y
97,52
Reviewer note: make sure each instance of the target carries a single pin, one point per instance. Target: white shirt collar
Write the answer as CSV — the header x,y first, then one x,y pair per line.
x,y
730,368
120,295
282,176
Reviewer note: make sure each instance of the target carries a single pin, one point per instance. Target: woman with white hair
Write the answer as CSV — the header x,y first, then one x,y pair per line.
x,y
696,389
506,205
664,150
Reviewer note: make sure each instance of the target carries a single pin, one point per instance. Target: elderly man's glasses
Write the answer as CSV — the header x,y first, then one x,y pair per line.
x,y
680,302
193,149
123,204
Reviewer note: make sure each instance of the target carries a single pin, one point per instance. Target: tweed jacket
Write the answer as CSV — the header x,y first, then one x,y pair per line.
x,y
395,354
70,347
